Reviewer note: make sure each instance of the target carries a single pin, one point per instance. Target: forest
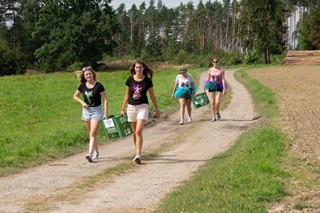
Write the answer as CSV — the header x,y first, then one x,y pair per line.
x,y
64,35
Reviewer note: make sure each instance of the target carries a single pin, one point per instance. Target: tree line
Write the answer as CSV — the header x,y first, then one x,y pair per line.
x,y
63,35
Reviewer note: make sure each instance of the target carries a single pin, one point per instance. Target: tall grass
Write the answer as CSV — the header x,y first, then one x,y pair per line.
x,y
40,121
245,178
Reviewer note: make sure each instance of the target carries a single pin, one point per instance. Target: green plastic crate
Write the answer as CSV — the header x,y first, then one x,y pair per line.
x,y
116,126
200,100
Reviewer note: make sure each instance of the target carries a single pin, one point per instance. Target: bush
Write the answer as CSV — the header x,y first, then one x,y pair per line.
x,y
253,58
181,58
8,65
75,66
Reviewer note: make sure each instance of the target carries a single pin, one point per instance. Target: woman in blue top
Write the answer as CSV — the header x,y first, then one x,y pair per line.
x,y
137,86
92,112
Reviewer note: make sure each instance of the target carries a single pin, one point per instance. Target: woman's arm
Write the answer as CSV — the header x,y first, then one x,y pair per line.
x,y
174,89
105,104
193,85
223,82
154,101
76,97
125,100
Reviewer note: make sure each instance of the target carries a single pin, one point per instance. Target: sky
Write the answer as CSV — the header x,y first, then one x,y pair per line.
x,y
168,3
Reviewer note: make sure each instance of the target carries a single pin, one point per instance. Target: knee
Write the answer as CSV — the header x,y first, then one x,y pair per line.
x,y
138,132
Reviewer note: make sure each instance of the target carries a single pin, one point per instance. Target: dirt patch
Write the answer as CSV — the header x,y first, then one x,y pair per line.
x,y
171,154
297,90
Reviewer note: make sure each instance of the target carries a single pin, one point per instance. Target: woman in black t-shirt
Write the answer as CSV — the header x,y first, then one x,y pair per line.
x,y
137,86
92,112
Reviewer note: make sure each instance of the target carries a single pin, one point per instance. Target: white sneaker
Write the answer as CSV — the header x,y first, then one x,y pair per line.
x,y
137,159
181,123
189,119
96,155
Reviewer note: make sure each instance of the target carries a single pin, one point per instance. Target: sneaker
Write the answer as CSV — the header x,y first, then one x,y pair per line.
x,y
96,155
181,123
137,159
189,119
218,116
213,120
88,157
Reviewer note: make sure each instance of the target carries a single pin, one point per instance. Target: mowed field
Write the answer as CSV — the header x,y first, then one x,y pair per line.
x,y
297,90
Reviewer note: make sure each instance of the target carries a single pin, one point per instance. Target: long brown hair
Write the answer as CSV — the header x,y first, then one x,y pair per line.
x,y
147,70
82,78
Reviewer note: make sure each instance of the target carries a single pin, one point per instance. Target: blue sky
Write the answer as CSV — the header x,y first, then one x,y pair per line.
x,y
168,3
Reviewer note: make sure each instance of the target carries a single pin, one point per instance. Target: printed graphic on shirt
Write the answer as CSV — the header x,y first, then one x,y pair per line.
x,y
137,88
88,95
185,84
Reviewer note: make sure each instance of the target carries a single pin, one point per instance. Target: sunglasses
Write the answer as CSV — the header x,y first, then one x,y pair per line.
x,y
86,68
215,61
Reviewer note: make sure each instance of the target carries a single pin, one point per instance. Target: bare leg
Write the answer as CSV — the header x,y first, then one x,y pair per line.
x,y
213,105
94,127
218,97
189,109
182,108
138,137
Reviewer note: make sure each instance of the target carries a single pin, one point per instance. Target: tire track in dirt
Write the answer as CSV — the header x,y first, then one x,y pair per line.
x,y
140,189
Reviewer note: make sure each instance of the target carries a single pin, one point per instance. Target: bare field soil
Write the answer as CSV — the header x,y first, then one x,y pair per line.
x,y
297,90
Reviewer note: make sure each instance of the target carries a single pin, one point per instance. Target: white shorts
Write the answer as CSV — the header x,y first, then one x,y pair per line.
x,y
137,112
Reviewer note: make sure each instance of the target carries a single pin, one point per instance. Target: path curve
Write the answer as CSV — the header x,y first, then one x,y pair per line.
x,y
140,189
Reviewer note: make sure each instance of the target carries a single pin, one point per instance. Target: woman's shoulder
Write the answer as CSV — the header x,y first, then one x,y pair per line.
x,y
99,83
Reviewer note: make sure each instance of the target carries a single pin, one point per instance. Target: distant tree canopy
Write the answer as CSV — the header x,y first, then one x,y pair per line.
x,y
60,35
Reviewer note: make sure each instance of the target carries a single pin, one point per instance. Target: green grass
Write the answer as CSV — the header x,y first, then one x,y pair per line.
x,y
40,121
248,176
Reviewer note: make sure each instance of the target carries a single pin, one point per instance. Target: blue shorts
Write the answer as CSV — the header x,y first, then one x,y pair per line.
x,y
92,113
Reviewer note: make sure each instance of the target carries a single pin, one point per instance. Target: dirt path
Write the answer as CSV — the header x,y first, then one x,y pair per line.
x,y
49,187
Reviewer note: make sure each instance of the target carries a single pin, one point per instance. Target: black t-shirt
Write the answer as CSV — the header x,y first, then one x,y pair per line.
x,y
92,96
138,90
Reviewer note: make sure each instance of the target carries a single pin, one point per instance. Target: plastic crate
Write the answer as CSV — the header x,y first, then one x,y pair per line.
x,y
116,126
200,100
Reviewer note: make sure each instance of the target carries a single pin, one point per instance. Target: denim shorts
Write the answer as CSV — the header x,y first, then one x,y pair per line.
x,y
137,112
92,113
